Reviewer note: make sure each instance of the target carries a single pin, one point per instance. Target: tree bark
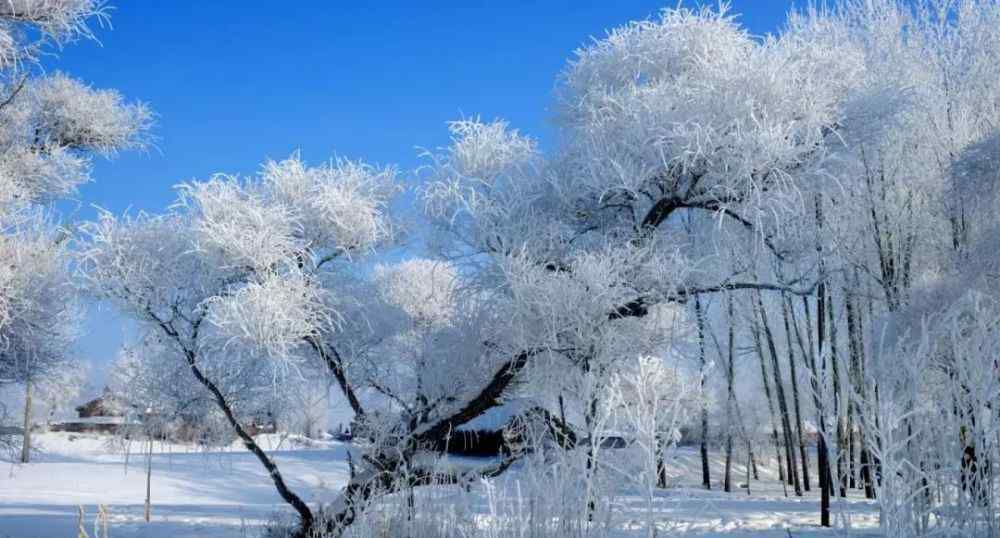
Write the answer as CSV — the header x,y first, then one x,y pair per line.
x,y
823,460
706,479
306,519
661,464
852,469
727,481
839,409
854,383
794,377
727,485
856,349
824,466
767,395
149,479
840,426
750,463
26,441
786,423
824,470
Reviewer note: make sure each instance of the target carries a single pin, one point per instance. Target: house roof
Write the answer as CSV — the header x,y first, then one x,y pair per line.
x,y
102,406
498,417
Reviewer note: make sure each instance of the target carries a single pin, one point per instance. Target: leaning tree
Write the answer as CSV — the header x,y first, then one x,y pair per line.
x,y
240,282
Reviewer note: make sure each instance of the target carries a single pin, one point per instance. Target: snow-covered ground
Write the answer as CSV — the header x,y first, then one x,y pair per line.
x,y
194,494
227,494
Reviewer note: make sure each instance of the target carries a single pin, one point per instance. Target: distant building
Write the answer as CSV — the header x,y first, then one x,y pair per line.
x,y
104,414
105,405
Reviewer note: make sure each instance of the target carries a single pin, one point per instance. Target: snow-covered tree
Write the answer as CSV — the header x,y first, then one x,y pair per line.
x,y
28,27
238,284
817,180
653,400
51,127
691,158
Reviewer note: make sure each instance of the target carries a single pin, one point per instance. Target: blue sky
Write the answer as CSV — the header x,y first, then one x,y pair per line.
x,y
237,81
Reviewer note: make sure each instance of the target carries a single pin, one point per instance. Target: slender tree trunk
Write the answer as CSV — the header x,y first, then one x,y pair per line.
x,y
661,464
305,514
855,348
855,385
149,478
876,464
823,460
593,445
838,406
824,482
306,519
820,335
793,374
852,469
866,471
731,398
767,395
727,481
779,386
854,329
824,470
562,409
26,441
750,464
706,479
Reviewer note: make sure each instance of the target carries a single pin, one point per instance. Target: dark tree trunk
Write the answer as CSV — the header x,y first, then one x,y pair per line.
x,y
823,460
838,406
149,480
824,464
856,387
26,440
706,479
727,481
793,374
824,483
786,423
750,464
661,464
866,471
876,464
852,469
767,395
856,348
306,519
731,399
824,470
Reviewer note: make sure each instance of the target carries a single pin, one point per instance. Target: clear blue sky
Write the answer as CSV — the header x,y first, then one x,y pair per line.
x,y
236,81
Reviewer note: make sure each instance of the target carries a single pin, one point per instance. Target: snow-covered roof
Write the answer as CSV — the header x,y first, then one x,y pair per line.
x,y
498,417
98,420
